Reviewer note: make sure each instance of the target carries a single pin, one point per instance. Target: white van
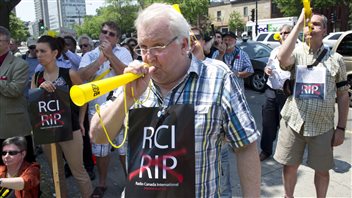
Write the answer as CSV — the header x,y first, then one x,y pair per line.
x,y
267,38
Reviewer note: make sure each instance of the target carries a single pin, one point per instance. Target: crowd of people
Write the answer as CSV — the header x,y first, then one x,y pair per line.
x,y
187,73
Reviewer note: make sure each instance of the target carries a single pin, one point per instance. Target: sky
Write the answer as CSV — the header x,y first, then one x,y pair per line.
x,y
25,9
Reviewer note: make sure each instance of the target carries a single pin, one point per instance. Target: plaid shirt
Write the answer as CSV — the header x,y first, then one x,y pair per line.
x,y
315,116
220,109
238,61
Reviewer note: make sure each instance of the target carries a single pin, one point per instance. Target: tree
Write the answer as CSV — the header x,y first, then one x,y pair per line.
x,y
121,12
294,7
195,11
17,28
236,22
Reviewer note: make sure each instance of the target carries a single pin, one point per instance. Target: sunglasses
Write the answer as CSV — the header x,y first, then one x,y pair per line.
x,y
112,34
12,153
83,45
31,47
282,33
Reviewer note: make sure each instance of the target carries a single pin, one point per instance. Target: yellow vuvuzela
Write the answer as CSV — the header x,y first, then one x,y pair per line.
x,y
81,94
277,36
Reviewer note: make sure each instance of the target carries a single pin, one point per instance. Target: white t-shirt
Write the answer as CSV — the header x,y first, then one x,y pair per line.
x,y
121,53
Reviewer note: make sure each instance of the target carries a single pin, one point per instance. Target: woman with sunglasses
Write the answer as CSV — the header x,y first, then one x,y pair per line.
x,y
18,178
47,51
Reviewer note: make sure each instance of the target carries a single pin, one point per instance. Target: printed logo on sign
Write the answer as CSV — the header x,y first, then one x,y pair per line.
x,y
50,114
95,90
310,89
166,162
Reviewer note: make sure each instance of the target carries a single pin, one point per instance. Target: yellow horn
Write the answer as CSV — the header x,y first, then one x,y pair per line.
x,y
277,36
307,9
81,94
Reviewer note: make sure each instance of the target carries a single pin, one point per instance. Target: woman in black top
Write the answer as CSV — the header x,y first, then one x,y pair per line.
x,y
48,49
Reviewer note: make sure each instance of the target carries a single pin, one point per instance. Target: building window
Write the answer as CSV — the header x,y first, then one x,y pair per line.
x,y
218,16
245,11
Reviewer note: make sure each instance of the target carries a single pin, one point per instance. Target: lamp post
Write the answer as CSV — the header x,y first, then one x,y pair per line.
x,y
79,15
256,17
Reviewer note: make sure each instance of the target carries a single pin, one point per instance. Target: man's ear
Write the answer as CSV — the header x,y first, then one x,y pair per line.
x,y
185,46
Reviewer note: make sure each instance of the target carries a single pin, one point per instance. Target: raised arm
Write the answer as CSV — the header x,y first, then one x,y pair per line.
x,y
285,53
113,113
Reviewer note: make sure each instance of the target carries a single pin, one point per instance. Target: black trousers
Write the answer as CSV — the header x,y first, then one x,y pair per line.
x,y
30,157
87,147
275,100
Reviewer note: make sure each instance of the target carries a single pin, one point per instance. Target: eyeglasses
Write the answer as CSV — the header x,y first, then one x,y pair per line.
x,y
112,34
31,47
198,37
83,45
157,50
282,33
12,153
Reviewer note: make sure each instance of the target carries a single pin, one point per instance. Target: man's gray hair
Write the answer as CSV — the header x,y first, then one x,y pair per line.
x,y
4,31
158,12
84,36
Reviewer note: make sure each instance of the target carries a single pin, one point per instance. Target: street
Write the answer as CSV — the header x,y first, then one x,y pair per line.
x,y
271,186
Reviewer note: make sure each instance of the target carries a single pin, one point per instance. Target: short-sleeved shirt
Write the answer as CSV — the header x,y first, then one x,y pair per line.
x,y
30,173
238,61
313,117
278,77
120,52
220,110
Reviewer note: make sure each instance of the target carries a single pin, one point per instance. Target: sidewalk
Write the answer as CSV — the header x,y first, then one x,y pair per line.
x,y
271,186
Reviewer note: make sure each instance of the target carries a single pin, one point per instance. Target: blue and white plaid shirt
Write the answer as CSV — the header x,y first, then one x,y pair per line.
x,y
220,109
238,61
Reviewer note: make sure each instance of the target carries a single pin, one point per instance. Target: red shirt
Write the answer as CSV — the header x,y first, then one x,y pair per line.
x,y
2,58
30,173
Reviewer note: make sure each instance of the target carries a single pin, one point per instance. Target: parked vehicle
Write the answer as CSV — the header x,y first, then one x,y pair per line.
x,y
268,25
259,55
331,39
267,38
344,47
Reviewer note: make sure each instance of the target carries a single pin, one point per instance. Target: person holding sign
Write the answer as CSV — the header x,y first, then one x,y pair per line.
x,y
18,178
50,79
180,111
308,114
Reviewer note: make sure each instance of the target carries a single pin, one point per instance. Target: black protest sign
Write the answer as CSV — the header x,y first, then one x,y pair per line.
x,y
161,152
50,115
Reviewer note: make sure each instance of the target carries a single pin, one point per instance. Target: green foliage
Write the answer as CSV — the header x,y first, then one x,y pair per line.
x,y
236,22
124,13
121,12
195,11
294,7
18,29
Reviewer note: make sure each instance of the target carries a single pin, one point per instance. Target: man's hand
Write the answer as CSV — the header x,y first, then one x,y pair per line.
x,y
106,47
338,137
268,71
222,48
139,85
101,59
